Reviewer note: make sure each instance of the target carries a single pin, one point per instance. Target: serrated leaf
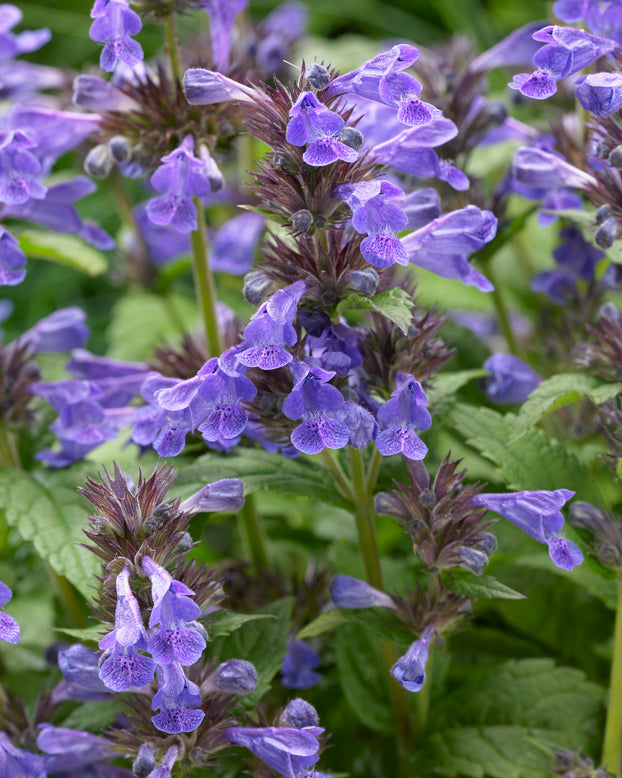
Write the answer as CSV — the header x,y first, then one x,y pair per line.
x,y
262,642
363,676
396,304
446,385
561,390
64,250
502,723
223,623
533,462
480,586
94,716
262,471
323,623
89,634
51,516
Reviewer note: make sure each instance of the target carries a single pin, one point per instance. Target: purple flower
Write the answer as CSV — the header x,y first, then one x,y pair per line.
x,y
375,213
511,380
600,93
222,14
62,330
400,416
444,245
12,260
235,676
15,763
165,768
300,714
515,49
539,515
233,246
20,169
291,752
224,495
299,665
80,668
544,170
69,750
317,403
9,628
114,23
348,592
175,696
336,349
566,51
271,329
313,123
96,94
11,44
207,87
123,666
409,670
182,177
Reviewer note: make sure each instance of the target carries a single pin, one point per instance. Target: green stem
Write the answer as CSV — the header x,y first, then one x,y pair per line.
x,y
253,534
612,746
502,313
364,513
205,287
341,480
8,451
365,519
171,47
144,270
373,470
422,701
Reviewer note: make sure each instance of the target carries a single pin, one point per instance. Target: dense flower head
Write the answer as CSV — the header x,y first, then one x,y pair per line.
x,y
539,515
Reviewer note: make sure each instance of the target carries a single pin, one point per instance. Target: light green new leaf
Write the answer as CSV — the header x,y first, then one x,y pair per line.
x,y
479,586
396,304
64,250
323,623
223,623
560,390
51,515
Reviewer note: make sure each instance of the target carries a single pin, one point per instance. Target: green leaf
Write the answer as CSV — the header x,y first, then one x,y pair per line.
x,y
480,586
262,471
396,304
323,623
560,390
89,634
64,250
502,723
446,385
363,676
51,515
223,623
532,462
262,642
94,716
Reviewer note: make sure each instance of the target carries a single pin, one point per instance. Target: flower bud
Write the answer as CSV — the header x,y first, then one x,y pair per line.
x,y
609,312
348,592
615,157
302,221
236,676
351,137
607,233
120,148
364,282
257,287
99,162
300,714
604,212
145,761
317,76
487,542
470,558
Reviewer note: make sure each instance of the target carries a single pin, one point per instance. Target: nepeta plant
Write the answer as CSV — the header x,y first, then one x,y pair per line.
x,y
348,318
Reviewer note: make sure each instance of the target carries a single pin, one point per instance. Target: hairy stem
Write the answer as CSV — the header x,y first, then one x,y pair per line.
x,y
612,746
364,514
8,450
341,480
205,288
253,534
171,46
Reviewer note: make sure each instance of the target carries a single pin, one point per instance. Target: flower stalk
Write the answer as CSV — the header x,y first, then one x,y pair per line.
x,y
205,288
612,746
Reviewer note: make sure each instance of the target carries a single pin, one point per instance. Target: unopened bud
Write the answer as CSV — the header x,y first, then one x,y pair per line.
x,y
470,558
607,233
145,761
609,313
300,714
302,220
185,543
351,137
120,148
604,212
427,498
602,149
257,287
496,113
583,514
236,676
317,76
364,282
487,543
99,162
615,157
